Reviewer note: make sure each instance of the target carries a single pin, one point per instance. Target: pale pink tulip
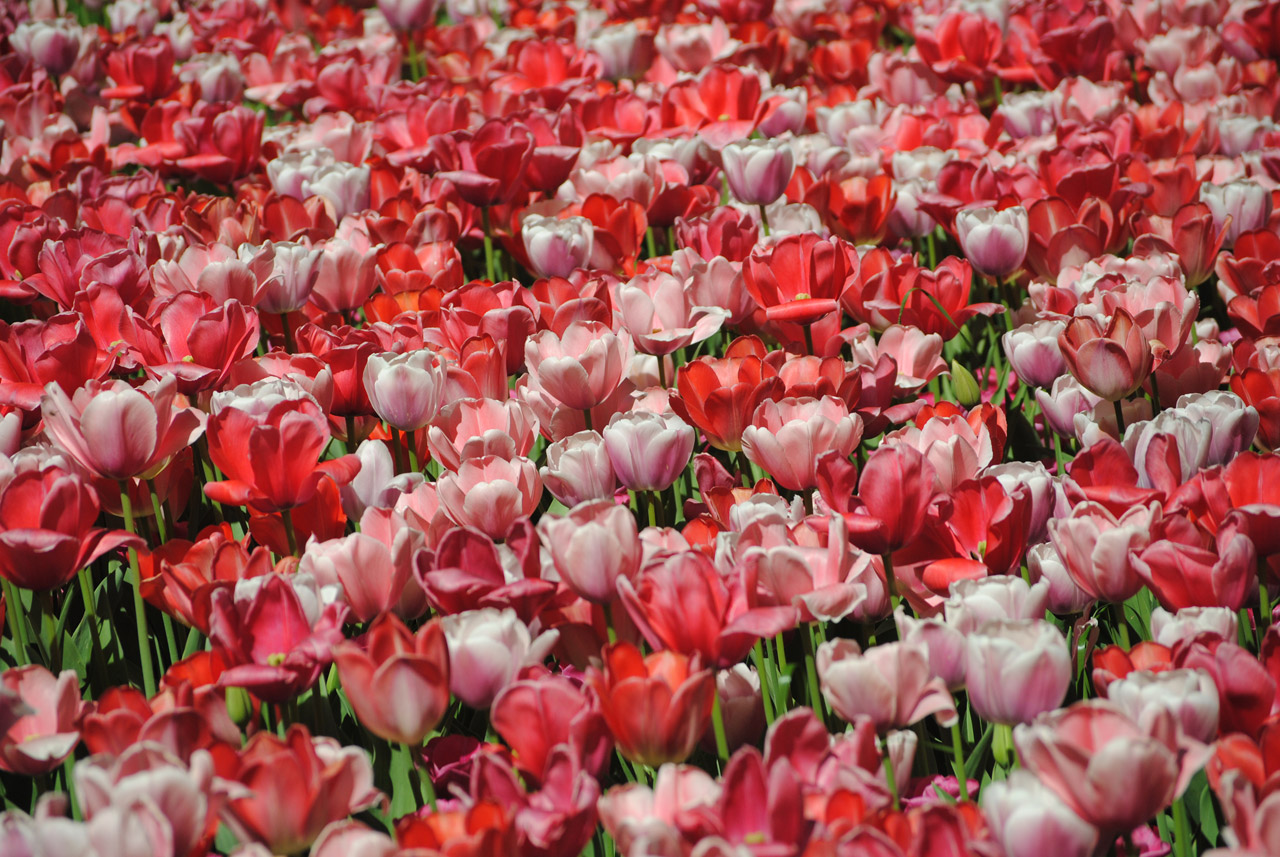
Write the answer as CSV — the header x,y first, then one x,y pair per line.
x,y
556,246
580,368
489,493
994,241
407,389
1095,546
592,546
578,469
1015,670
1029,820
487,648
786,437
890,683
758,171
658,312
471,428
647,450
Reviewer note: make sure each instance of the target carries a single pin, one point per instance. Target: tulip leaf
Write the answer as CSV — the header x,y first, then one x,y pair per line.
x,y
977,760
403,800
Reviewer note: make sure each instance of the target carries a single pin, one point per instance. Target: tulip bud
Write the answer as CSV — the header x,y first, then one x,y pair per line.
x,y
965,385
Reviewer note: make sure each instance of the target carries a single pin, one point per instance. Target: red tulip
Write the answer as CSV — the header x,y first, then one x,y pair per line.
x,y
800,279
720,395
397,681
657,707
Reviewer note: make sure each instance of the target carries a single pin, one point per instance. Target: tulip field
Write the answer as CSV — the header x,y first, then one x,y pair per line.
x,y
640,428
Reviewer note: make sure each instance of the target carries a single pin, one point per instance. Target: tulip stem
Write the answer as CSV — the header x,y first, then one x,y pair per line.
x,y
808,339
139,605
411,446
608,623
816,702
351,432
889,777
586,416
1182,841
91,614
1264,606
717,723
1155,395
488,243
1119,419
889,581
397,451
658,512
286,516
957,750
766,681
289,346
933,251
650,244
17,619
1122,625
764,220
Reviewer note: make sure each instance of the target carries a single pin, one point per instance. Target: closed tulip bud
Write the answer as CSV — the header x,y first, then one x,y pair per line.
x,y
648,451
1029,820
1033,352
995,242
556,246
592,546
1014,670
965,385
54,45
578,469
1246,202
295,269
1190,695
758,171
405,15
973,603
407,389
1110,362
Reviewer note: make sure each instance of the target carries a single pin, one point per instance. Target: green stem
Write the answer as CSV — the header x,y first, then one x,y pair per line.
x,y
816,701
139,604
17,621
764,221
766,683
286,515
488,244
894,599
781,654
158,508
351,432
1183,843
289,346
659,511
397,450
1264,606
957,750
411,446
586,415
1122,625
889,777
608,623
717,723
101,676
650,243
1119,419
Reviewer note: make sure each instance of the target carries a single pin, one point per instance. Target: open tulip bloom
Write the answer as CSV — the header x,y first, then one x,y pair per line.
x,y
604,428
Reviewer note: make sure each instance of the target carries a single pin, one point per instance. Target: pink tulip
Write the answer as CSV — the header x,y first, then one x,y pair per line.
x,y
1029,820
1246,202
118,431
647,450
396,681
1000,598
592,546
347,275
1168,628
405,390
1096,548
405,15
487,648
951,444
216,270
1092,755
1190,695
374,567
40,740
471,428
489,493
51,44
578,469
944,644
1065,596
1066,399
825,584
658,312
580,368
294,270
786,437
758,171
890,683
994,241
1014,670
1033,352
556,246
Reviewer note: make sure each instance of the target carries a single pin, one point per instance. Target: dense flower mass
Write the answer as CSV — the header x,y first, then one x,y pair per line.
x,y
651,428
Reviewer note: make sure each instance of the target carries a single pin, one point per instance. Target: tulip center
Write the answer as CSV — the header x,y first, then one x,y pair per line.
x,y
276,659
803,296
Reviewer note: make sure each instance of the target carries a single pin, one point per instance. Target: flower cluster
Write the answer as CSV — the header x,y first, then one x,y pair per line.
x,y
724,428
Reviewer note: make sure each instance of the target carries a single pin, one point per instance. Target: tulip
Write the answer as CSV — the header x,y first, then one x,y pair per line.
x,y
578,469
53,44
294,271
1247,203
592,546
1109,362
657,707
1190,622
297,785
486,649
786,437
117,431
556,246
1190,695
1190,568
758,171
658,312
1097,548
537,713
582,366
396,681
1000,598
648,451
274,633
720,395
471,428
347,275
374,567
1033,352
800,279
406,390
895,490
944,644
1028,819
1092,753
48,731
1044,565
1065,399
489,493
1016,670
406,15
889,683
994,241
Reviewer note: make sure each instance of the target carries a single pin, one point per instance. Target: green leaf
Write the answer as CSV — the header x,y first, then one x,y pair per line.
x,y
978,755
404,798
